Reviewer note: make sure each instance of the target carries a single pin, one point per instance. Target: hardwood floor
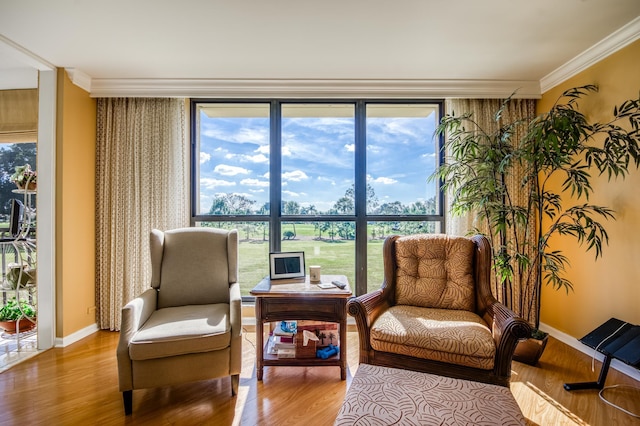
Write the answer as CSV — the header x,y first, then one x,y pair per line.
x,y
78,385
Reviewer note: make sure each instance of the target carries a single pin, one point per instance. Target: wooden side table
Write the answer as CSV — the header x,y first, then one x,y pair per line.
x,y
299,299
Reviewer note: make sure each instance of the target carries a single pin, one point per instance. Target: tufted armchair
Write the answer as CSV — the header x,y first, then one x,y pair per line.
x,y
435,312
187,326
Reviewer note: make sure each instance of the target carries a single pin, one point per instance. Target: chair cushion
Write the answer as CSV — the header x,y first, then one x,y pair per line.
x,y
450,336
435,271
195,267
182,330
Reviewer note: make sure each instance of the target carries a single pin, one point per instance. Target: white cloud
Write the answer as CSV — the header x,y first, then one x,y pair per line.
x,y
204,157
258,136
291,193
226,170
429,155
374,149
351,147
254,182
325,179
209,183
383,180
295,176
258,158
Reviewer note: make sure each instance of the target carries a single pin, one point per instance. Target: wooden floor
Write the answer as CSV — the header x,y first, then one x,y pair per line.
x,y
78,385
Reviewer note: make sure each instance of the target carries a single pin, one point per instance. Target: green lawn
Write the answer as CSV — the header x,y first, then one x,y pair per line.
x,y
336,257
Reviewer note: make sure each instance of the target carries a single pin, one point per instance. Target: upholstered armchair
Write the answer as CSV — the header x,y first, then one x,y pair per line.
x,y
435,312
187,326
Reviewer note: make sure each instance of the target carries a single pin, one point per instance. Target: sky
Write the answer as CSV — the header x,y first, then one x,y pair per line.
x,y
318,159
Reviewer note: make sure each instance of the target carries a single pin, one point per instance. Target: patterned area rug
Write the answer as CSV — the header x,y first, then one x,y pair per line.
x,y
390,396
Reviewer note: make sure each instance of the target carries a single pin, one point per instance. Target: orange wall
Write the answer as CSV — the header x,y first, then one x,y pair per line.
x,y
610,286
75,208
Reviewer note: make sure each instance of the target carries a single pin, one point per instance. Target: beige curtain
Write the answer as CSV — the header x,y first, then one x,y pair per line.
x,y
18,115
141,183
483,111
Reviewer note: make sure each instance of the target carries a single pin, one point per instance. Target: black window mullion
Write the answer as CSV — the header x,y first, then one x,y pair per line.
x,y
361,198
275,176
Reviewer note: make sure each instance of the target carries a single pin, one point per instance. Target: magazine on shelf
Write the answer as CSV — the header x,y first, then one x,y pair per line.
x,y
287,329
280,342
287,353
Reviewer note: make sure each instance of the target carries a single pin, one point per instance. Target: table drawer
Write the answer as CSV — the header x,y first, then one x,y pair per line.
x,y
325,309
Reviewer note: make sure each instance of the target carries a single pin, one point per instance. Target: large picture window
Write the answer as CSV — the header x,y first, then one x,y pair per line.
x,y
329,178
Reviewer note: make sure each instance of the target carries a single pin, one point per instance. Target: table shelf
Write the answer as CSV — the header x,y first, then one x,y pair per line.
x,y
300,300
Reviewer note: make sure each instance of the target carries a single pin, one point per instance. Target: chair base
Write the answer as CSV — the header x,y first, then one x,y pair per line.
x,y
387,359
127,398
235,381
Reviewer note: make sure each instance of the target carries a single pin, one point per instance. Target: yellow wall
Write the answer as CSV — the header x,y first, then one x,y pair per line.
x,y
75,208
610,286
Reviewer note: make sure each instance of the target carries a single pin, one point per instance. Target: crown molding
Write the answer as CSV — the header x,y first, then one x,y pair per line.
x,y
611,44
24,56
79,78
312,88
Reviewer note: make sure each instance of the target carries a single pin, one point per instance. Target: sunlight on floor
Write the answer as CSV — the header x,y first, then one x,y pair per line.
x,y
15,349
561,416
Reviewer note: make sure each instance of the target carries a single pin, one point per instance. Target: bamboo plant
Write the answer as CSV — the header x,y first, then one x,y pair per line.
x,y
561,143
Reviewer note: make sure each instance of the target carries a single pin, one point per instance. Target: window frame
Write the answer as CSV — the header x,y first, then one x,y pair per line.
x,y
275,218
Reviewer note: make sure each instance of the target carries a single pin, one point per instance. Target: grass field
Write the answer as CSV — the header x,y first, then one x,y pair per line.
x,y
336,256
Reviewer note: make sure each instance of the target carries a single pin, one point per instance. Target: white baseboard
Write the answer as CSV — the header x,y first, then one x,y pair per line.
x,y
576,344
61,342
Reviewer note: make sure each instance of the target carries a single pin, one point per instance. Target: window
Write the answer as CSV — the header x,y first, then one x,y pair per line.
x,y
343,175
12,155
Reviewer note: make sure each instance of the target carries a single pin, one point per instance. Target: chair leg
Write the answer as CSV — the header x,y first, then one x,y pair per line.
x,y
127,398
235,380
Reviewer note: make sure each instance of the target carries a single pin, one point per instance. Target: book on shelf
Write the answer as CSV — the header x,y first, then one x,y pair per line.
x,y
271,348
274,345
283,342
288,329
285,339
287,353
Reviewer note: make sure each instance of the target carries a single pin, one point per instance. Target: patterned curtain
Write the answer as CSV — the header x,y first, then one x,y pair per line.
x,y
141,183
483,111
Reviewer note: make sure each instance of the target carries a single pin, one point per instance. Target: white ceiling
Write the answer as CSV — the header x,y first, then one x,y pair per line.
x,y
447,43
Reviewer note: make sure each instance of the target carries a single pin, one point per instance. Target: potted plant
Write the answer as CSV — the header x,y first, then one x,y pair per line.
x,y
519,218
24,177
17,312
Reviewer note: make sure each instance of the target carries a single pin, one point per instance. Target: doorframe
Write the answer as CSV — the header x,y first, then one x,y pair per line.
x,y
46,195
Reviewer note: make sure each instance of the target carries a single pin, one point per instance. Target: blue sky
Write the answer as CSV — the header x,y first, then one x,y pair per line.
x,y
317,159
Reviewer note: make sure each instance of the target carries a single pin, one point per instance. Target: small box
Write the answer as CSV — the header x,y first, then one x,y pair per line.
x,y
302,351
286,353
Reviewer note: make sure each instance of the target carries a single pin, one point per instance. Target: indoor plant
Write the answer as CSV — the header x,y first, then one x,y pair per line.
x,y
24,177
12,311
558,144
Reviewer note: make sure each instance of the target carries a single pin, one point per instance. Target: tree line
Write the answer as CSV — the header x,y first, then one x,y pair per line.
x,y
237,204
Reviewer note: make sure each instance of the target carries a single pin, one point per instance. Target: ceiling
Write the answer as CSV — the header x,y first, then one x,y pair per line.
x,y
209,43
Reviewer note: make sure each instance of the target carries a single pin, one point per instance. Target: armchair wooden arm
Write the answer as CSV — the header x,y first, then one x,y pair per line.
x,y
507,329
365,309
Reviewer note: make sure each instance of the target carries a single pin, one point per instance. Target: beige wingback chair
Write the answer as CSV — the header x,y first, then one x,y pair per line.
x,y
187,326
435,312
